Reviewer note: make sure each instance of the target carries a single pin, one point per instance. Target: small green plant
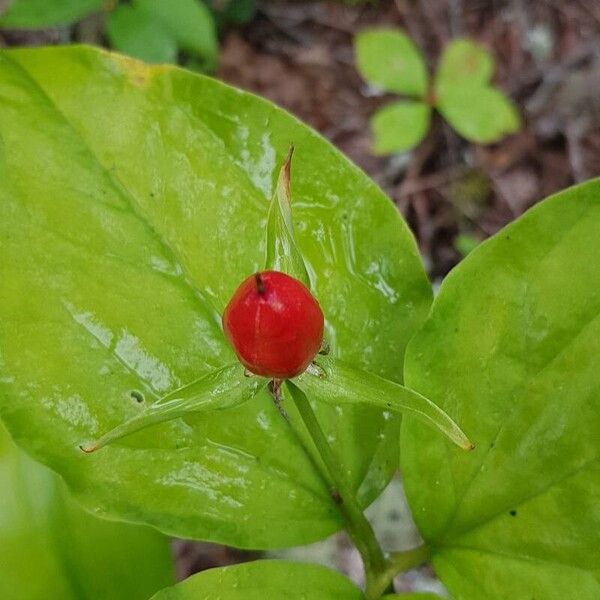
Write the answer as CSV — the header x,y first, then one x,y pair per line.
x,y
122,241
159,31
461,91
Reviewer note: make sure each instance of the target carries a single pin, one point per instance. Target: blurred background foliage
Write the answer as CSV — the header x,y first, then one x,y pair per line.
x,y
51,548
156,31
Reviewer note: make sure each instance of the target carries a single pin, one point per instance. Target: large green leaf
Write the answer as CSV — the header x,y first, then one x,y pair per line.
x,y
133,201
272,579
31,14
389,59
511,349
50,548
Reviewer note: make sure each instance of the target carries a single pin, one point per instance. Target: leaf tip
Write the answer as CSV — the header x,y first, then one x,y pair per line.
x,y
315,370
88,449
286,170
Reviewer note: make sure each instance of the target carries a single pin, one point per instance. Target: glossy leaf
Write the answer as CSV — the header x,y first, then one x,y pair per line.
x,y
390,60
133,31
339,383
265,579
511,349
190,22
147,209
400,126
51,548
283,253
33,14
480,114
464,63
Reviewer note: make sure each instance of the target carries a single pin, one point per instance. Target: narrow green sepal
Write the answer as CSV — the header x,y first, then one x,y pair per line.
x,y
223,388
283,253
340,383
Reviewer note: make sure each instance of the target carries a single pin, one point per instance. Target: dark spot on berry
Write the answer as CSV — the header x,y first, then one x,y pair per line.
x,y
513,513
260,284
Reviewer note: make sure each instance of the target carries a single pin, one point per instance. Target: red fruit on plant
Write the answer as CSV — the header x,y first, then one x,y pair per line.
x,y
274,324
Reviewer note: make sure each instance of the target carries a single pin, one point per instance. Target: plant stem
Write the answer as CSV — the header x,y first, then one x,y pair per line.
x,y
358,526
398,562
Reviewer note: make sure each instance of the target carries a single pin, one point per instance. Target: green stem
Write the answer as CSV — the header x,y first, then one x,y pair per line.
x,y
358,526
398,562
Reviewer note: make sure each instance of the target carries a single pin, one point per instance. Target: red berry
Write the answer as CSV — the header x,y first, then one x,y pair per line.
x,y
274,324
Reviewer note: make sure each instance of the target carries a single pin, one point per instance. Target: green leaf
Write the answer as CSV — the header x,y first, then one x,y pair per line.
x,y
464,63
390,60
148,207
51,548
283,253
477,111
133,31
220,389
480,114
400,126
511,349
264,579
339,383
190,22
33,14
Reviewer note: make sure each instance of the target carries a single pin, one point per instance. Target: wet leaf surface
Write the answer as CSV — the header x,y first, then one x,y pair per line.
x,y
133,201
511,350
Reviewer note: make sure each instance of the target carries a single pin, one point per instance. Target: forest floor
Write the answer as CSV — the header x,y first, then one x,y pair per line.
x,y
300,55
